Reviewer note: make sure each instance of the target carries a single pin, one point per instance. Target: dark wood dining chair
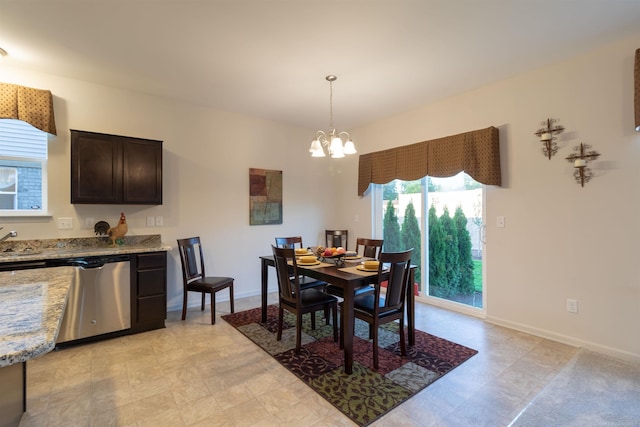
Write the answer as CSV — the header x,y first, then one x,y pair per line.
x,y
299,301
195,279
377,309
367,248
336,238
370,247
293,243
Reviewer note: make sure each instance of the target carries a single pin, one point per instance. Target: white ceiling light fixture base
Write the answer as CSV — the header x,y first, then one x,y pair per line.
x,y
337,144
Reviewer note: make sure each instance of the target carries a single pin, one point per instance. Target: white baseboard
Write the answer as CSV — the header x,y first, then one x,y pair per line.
x,y
565,339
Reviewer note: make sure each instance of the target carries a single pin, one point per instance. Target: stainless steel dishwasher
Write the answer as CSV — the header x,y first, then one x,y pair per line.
x,y
99,298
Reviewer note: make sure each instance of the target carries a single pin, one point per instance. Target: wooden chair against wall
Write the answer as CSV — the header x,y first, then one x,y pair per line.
x,y
194,277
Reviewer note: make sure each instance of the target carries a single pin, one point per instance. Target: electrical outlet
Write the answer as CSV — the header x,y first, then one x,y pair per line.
x,y
89,223
151,221
500,222
65,223
159,221
572,305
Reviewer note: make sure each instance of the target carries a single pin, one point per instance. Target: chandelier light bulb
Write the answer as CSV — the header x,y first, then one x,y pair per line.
x,y
349,147
315,146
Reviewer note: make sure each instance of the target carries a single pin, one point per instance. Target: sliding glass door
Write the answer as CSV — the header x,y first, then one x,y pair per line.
x,y
442,220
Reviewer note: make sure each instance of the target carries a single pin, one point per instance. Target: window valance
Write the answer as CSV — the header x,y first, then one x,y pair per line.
x,y
34,106
476,152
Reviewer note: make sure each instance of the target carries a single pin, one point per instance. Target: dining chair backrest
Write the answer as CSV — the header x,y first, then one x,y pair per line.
x,y
191,257
288,285
370,247
289,242
398,264
336,238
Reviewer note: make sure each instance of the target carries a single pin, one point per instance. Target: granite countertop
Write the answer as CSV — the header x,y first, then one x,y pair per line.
x,y
33,303
37,250
33,300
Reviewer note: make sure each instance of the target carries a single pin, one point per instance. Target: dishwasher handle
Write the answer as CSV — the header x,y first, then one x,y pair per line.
x,y
86,265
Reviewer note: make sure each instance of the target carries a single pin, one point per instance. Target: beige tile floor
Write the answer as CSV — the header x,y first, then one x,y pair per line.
x,y
194,374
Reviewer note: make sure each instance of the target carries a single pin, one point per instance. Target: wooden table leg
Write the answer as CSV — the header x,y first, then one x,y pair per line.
x,y
348,321
265,279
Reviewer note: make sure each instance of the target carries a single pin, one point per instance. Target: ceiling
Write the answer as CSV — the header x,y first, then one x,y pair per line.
x,y
269,58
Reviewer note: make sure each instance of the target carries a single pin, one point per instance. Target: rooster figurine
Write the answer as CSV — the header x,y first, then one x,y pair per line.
x,y
119,230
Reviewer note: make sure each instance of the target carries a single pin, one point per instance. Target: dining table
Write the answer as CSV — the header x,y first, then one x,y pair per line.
x,y
348,278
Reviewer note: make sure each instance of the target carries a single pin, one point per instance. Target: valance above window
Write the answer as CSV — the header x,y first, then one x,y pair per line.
x,y
34,106
477,153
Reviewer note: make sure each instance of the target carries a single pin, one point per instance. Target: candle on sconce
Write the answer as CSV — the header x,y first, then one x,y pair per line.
x,y
580,163
545,136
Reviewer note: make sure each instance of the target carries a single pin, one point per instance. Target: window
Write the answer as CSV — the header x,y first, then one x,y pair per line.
x,y
23,169
442,220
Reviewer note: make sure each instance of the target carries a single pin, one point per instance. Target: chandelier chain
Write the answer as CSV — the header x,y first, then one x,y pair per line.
x,y
330,105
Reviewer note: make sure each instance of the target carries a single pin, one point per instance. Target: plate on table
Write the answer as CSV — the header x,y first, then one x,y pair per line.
x,y
316,262
305,254
370,270
352,257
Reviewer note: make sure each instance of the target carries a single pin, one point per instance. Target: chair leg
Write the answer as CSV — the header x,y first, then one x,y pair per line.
x,y
313,320
335,322
299,331
202,303
213,307
231,296
280,319
184,305
375,346
403,346
341,327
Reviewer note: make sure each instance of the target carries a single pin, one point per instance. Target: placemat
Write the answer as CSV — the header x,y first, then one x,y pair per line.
x,y
355,270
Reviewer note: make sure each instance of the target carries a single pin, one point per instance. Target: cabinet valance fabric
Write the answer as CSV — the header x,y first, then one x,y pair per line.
x,y
34,106
477,153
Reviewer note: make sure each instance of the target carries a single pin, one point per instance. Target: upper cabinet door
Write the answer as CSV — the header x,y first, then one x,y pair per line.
x,y
112,169
142,171
96,168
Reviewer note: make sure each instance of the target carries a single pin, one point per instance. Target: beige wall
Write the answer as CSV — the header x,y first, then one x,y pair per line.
x,y
207,157
560,241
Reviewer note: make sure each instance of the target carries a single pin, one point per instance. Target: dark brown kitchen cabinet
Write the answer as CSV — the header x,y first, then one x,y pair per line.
x,y
148,291
113,169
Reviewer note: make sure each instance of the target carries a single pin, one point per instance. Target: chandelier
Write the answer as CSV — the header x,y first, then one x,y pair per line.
x,y
336,143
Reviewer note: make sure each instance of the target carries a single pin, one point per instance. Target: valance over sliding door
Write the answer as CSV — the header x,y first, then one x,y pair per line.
x,y
477,153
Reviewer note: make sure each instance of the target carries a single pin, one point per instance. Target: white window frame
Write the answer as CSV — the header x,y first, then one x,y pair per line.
x,y
14,155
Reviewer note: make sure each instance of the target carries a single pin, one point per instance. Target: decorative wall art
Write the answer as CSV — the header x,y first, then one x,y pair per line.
x,y
265,196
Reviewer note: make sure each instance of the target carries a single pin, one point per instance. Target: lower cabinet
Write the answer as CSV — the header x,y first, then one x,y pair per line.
x,y
148,291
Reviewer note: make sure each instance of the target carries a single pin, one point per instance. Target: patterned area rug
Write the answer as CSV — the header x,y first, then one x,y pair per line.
x,y
365,395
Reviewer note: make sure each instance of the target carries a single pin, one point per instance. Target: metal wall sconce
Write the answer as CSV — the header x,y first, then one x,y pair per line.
x,y
582,156
546,135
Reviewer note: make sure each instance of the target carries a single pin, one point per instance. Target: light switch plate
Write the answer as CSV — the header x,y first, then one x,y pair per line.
x,y
159,221
151,221
500,222
65,223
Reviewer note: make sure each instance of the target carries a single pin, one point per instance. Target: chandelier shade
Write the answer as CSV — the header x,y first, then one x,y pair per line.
x,y
336,144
